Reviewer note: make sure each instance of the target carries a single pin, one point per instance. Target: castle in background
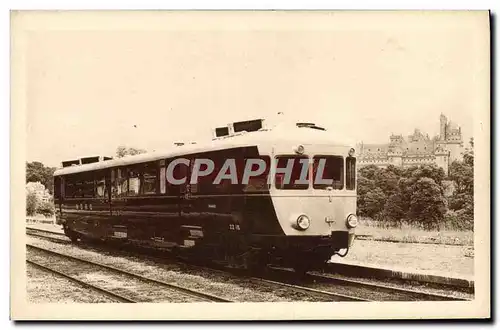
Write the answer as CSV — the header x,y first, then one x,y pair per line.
x,y
417,149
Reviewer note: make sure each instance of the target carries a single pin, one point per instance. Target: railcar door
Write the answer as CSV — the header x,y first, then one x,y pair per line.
x,y
58,197
186,191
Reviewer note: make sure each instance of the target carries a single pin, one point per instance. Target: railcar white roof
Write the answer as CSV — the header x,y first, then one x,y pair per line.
x,y
280,134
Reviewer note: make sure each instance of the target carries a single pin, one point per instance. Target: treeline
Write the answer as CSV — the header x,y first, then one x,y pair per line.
x,y
417,195
37,206
39,182
37,172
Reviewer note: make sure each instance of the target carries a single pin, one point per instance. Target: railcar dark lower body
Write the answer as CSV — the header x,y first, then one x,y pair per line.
x,y
230,248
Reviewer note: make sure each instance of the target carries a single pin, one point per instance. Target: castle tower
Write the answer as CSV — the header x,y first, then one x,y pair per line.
x,y
442,159
442,127
454,141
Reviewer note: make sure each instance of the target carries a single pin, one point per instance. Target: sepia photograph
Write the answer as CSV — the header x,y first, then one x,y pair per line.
x,y
250,165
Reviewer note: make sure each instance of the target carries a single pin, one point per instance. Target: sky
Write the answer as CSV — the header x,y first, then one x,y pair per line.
x,y
89,90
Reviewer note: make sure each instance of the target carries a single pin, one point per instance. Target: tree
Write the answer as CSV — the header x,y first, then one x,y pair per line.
x,y
364,186
462,174
433,171
37,172
374,202
395,209
369,172
398,171
123,151
469,153
394,194
387,180
462,199
427,205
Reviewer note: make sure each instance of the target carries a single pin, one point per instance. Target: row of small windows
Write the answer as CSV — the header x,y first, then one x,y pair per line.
x,y
124,182
378,149
150,178
390,159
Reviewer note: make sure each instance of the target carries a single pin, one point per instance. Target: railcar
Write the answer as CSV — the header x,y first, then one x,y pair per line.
x,y
300,222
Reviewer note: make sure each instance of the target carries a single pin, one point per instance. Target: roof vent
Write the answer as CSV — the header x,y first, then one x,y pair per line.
x,y
310,125
68,163
89,160
94,159
248,125
179,143
221,131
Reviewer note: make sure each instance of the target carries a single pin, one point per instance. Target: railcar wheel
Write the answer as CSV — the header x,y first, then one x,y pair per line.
x,y
72,235
301,269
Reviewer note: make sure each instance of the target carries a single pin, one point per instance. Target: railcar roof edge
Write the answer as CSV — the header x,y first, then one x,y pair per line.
x,y
281,133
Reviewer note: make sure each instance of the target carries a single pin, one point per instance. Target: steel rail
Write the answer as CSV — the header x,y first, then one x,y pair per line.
x,y
190,292
378,288
411,293
108,293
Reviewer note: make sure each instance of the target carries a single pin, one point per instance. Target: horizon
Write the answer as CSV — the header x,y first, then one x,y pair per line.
x,y
90,91
384,140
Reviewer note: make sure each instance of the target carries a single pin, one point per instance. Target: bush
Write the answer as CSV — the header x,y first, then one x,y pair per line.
x,y
46,209
459,220
31,203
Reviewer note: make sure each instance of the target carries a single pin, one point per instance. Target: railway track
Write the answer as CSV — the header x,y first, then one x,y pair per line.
x,y
363,289
49,235
115,296
326,287
123,285
319,294
45,231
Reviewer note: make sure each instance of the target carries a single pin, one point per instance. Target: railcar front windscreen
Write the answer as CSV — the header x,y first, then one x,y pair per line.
x,y
350,173
294,181
331,169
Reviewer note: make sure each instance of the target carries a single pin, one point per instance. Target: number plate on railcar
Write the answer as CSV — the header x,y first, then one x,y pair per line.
x,y
120,232
188,242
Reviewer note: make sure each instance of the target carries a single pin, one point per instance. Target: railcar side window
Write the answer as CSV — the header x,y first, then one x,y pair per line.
x,y
78,187
57,187
205,184
258,183
121,182
133,182
114,183
69,188
179,172
87,185
100,186
350,181
163,179
296,170
333,170
148,182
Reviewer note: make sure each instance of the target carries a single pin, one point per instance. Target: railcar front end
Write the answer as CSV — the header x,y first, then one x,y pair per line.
x,y
315,207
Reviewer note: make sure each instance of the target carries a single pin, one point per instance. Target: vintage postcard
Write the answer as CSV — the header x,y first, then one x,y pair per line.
x,y
250,165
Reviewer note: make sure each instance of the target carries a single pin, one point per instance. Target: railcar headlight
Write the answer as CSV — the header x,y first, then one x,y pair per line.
x,y
303,222
352,221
